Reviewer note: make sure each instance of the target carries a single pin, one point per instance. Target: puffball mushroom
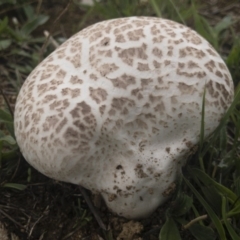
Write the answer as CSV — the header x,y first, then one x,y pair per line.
x,y
118,106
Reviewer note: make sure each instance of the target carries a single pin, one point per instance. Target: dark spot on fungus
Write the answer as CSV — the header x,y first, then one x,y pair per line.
x,y
119,167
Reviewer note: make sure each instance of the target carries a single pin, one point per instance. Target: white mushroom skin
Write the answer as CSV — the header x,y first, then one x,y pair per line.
x,y
117,108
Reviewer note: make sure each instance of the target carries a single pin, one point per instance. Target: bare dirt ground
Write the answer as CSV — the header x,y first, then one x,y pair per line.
x,y
52,210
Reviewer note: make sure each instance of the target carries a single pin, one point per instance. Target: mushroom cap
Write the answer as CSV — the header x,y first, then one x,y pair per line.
x,y
117,108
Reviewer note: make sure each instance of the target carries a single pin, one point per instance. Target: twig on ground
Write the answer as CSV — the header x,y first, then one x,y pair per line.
x,y
92,208
10,218
188,225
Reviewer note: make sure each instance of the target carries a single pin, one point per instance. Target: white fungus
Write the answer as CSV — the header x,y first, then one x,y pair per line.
x,y
117,108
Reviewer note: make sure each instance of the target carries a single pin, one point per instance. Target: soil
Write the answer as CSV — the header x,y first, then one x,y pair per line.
x,y
48,209
52,210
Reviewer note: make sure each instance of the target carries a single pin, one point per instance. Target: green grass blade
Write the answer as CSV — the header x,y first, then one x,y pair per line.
x,y
206,180
231,231
235,211
224,24
5,117
8,139
178,13
15,186
202,130
156,8
181,205
169,231
216,221
202,232
237,186
203,27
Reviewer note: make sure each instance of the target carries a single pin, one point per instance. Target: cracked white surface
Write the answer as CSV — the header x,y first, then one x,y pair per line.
x,y
117,108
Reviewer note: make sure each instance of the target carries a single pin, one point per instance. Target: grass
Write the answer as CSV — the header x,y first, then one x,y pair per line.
x,y
206,204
